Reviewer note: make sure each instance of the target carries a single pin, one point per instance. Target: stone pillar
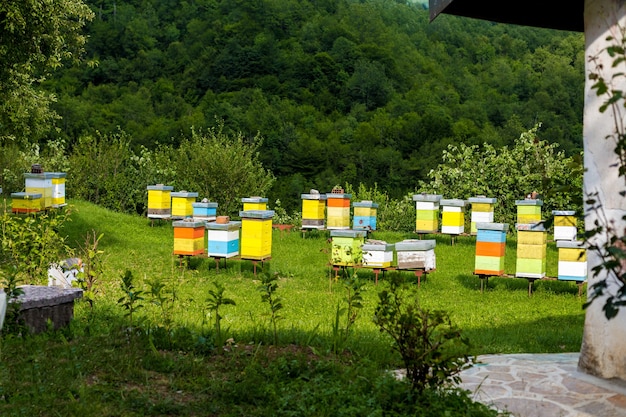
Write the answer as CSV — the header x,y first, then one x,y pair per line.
x,y
603,351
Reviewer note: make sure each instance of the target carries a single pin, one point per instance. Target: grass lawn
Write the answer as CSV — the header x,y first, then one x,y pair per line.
x,y
99,367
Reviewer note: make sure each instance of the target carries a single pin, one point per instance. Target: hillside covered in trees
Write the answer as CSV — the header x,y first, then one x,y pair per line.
x,y
340,90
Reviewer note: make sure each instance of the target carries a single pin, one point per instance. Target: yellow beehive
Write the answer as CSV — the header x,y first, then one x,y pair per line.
x,y
565,225
528,211
427,213
313,211
159,201
572,264
482,211
182,204
338,210
531,251
256,234
40,183
58,189
25,202
453,216
188,237
254,203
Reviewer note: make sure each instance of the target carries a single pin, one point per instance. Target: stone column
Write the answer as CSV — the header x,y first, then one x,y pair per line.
x,y
603,351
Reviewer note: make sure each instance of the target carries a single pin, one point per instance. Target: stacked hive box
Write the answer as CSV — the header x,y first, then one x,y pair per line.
x,y
188,237
377,254
204,211
531,251
313,211
25,202
58,189
182,204
346,247
364,215
572,264
338,211
159,201
452,216
482,211
528,211
416,254
256,234
254,203
490,248
564,225
427,213
223,239
40,183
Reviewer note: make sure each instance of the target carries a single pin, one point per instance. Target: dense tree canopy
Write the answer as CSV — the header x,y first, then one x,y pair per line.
x,y
340,90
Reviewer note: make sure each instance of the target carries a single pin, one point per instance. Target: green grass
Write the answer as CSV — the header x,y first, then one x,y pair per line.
x,y
99,366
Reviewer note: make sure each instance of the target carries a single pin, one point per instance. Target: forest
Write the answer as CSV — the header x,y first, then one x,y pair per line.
x,y
338,91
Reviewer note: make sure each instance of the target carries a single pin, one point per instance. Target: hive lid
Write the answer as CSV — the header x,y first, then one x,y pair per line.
x,y
58,174
531,227
503,227
223,226
160,187
365,203
348,233
43,175
563,212
454,202
338,195
184,194
188,223
427,197
204,205
378,247
26,196
254,200
313,196
574,244
256,214
415,244
528,202
484,200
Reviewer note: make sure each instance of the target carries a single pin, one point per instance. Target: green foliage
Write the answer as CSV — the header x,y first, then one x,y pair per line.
x,y
268,289
164,299
132,298
349,306
215,301
37,38
10,286
32,242
432,349
392,214
92,267
509,174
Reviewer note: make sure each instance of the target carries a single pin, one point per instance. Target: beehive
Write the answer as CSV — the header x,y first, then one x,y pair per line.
x,y
377,254
188,237
40,183
364,216
572,264
254,203
482,211
182,204
25,202
58,189
531,250
452,216
427,213
490,248
223,239
347,247
204,211
338,211
416,254
564,225
313,211
159,201
256,234
528,211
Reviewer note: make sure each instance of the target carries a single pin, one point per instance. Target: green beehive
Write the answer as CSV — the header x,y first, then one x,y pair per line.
x,y
347,247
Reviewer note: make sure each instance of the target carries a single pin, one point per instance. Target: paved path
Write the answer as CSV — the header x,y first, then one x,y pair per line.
x,y
543,385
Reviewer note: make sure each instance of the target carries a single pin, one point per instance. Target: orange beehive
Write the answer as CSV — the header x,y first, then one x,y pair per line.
x,y
490,248
338,210
188,237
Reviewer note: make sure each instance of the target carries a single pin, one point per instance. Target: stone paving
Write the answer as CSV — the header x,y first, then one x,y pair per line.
x,y
543,385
